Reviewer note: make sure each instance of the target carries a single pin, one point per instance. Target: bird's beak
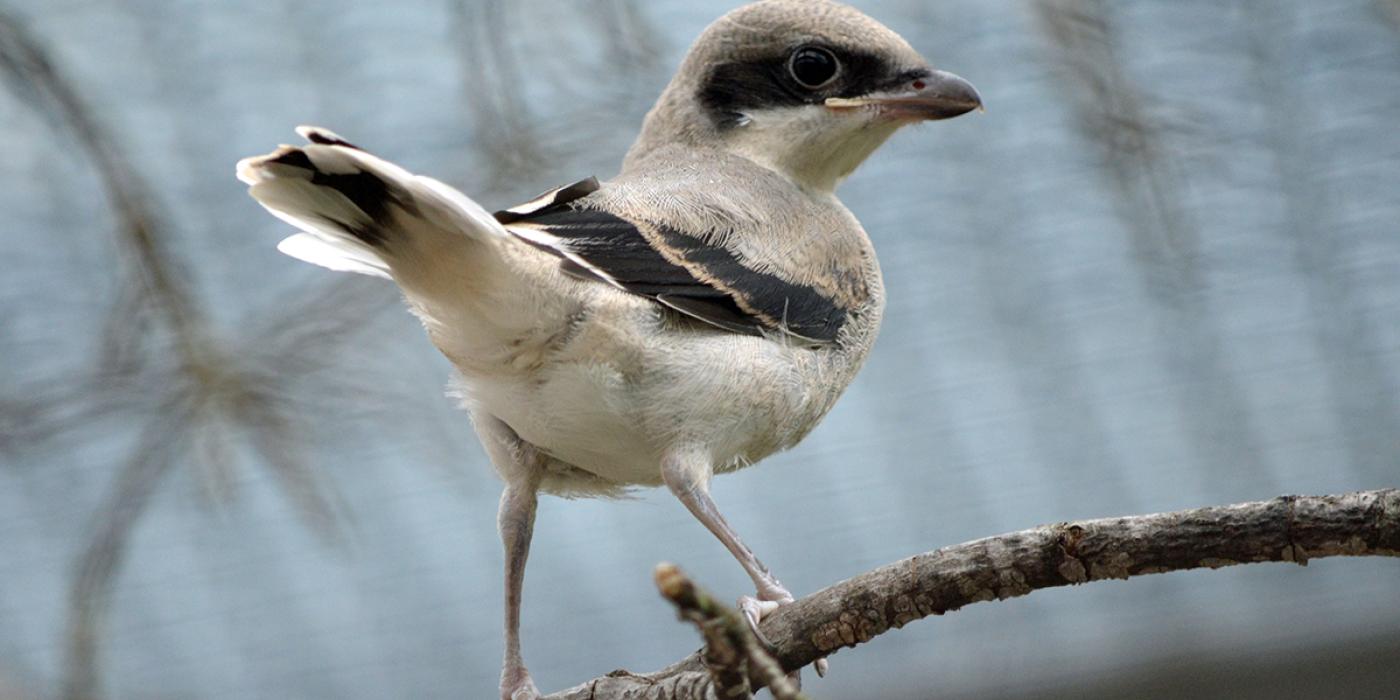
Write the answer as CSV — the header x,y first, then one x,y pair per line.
x,y
939,95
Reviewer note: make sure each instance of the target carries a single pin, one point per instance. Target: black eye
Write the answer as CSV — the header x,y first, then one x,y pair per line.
x,y
813,67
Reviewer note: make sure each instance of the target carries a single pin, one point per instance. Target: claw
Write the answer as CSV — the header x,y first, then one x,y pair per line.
x,y
525,692
516,684
755,609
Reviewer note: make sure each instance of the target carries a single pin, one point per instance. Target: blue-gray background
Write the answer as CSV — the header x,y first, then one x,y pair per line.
x,y
1162,271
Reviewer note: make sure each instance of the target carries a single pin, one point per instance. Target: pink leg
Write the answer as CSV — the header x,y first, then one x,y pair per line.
x,y
687,474
521,465
695,495
516,520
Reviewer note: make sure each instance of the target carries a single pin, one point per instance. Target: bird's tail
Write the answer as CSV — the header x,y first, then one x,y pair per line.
x,y
358,212
458,267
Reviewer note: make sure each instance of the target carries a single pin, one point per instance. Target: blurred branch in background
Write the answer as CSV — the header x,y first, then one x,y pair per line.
x,y
10,689
155,285
1347,343
505,128
1113,115
1043,356
155,454
1391,9
502,68
1294,529
635,51
199,396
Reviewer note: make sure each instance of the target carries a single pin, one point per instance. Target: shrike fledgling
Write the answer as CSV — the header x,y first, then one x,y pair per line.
x,y
697,313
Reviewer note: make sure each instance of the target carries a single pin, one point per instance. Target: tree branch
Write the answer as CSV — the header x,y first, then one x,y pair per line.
x,y
731,647
1287,529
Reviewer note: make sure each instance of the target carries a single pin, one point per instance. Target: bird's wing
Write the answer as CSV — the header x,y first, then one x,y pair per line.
x,y
680,269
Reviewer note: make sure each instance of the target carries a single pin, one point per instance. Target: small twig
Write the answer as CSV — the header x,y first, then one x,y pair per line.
x,y
731,648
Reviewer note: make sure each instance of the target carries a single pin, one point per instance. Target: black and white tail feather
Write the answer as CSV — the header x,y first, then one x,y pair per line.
x,y
355,210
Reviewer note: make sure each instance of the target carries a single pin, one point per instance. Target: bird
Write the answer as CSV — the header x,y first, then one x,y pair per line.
x,y
698,312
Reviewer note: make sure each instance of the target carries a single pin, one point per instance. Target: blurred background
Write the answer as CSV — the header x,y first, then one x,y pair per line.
x,y
1160,272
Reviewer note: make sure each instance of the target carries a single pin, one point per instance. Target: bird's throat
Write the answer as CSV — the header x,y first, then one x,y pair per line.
x,y
815,152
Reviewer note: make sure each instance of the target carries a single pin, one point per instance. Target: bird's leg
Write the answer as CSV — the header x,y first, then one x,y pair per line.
x,y
522,467
687,475
516,520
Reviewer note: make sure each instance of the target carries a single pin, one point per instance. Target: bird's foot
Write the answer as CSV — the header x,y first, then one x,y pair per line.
x,y
517,685
755,609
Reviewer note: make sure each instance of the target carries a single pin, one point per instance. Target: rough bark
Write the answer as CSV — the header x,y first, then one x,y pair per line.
x,y
731,647
1292,529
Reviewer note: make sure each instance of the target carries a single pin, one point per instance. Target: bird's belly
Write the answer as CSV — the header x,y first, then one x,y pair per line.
x,y
581,414
615,417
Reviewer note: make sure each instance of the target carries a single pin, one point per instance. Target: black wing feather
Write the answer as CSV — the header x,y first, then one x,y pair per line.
x,y
708,282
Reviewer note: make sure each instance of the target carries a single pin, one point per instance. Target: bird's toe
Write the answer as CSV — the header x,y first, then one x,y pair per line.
x,y
518,686
755,609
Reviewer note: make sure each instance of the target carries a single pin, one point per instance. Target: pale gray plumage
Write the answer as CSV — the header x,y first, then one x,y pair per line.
x,y
698,312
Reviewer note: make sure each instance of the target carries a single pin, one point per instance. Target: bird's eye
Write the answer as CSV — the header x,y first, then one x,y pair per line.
x,y
813,67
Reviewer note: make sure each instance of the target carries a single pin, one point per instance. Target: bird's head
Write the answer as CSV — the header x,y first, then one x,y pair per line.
x,y
808,88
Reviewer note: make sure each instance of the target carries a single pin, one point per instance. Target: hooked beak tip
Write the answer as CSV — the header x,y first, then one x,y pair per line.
x,y
938,95
947,95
